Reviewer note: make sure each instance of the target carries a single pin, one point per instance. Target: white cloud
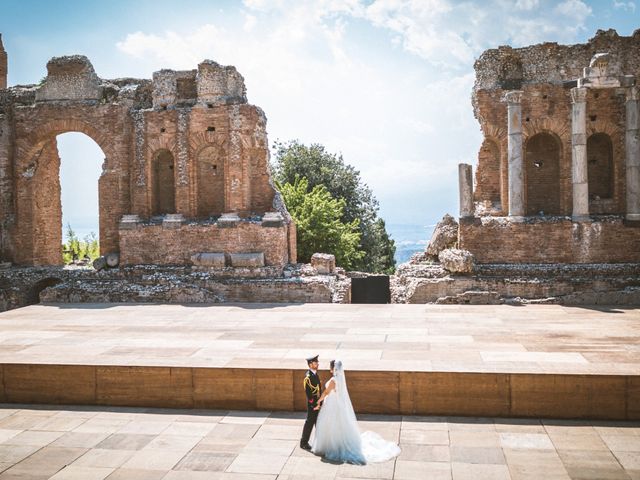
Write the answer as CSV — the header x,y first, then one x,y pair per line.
x,y
626,6
398,109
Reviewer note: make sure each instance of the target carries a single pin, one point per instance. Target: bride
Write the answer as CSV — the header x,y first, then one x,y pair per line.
x,y
338,437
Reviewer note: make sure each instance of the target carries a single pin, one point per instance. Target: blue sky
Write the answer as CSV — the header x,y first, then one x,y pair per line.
x,y
385,82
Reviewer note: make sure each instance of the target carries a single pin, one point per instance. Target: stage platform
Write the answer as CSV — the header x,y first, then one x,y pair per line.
x,y
499,361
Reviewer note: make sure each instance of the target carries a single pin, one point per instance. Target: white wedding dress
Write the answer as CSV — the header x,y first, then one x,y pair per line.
x,y
337,435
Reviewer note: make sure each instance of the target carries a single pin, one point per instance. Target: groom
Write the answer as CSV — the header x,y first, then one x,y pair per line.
x,y
313,389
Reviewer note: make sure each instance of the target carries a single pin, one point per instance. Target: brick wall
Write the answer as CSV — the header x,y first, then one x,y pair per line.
x,y
190,128
542,74
550,240
155,244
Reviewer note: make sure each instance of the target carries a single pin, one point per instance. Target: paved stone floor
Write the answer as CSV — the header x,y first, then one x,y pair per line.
x,y
535,338
87,443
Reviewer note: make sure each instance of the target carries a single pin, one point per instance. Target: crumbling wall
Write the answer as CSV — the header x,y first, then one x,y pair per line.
x,y
545,73
182,113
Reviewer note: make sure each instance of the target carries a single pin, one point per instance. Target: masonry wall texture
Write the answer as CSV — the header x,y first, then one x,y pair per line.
x,y
538,250
185,143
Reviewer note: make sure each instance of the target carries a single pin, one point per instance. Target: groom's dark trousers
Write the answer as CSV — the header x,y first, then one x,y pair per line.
x,y
310,422
313,391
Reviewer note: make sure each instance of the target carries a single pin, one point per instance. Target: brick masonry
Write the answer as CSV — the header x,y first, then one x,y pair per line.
x,y
545,73
186,142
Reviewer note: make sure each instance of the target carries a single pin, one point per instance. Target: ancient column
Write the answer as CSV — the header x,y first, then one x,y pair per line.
x,y
579,154
465,187
3,66
515,165
632,144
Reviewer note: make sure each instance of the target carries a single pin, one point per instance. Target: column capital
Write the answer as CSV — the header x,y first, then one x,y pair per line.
x,y
578,95
633,94
513,97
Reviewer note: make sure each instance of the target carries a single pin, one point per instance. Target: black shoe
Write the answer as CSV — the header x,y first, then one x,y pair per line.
x,y
305,446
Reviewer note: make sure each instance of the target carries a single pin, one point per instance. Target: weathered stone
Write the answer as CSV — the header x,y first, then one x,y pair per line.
x,y
168,284
246,259
272,219
228,220
465,187
128,222
564,146
113,259
3,66
100,263
211,260
324,263
456,261
180,150
444,236
173,220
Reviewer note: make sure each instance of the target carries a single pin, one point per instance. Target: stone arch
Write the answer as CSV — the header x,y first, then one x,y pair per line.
x,y
600,166
488,173
163,184
38,207
210,182
542,154
50,130
33,295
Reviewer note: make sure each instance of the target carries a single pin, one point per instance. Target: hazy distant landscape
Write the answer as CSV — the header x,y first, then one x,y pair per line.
x,y
409,238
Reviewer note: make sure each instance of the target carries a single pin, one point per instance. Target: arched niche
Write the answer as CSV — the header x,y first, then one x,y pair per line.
x,y
210,182
600,166
163,198
542,173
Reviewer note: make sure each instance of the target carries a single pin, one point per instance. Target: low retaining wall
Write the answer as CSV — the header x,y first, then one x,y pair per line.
x,y
611,397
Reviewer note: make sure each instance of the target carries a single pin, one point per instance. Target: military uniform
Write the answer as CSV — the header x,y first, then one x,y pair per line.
x,y
313,390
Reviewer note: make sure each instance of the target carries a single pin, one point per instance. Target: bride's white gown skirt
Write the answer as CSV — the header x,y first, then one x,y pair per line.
x,y
338,437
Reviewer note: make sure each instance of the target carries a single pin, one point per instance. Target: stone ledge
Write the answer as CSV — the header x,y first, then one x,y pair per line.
x,y
481,394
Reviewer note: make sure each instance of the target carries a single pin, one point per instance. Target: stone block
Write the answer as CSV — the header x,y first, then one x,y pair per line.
x,y
456,261
439,393
324,263
227,220
144,386
384,398
207,259
100,263
444,236
112,259
272,219
173,220
568,396
129,222
219,85
70,78
231,388
58,384
247,260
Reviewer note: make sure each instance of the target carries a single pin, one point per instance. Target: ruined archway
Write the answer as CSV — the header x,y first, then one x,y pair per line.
x,y
81,162
151,133
38,200
542,171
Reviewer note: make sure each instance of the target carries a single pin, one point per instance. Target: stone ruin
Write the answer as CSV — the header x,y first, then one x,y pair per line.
x,y
185,185
554,213
185,169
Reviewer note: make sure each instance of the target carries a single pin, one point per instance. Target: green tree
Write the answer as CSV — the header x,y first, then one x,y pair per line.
x,y
319,225
76,249
295,160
